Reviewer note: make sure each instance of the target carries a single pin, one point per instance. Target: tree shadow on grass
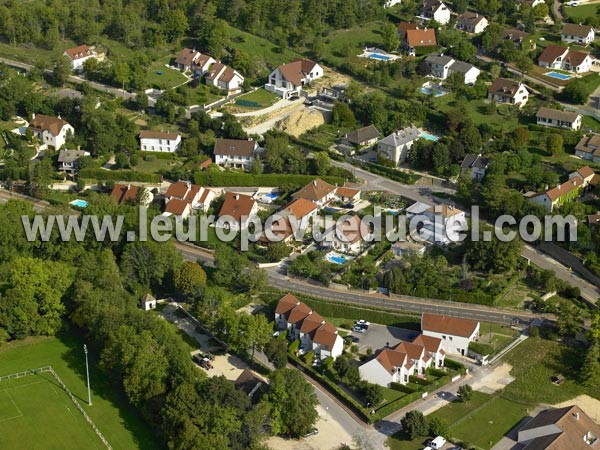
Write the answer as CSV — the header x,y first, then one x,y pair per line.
x,y
103,386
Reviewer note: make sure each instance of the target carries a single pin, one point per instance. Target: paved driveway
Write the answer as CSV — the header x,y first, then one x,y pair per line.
x,y
378,336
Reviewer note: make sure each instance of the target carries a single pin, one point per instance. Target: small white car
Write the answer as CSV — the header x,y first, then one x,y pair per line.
x,y
438,443
572,3
362,323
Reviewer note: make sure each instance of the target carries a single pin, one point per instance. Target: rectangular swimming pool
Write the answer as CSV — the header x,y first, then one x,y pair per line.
x,y
379,56
335,258
430,137
558,76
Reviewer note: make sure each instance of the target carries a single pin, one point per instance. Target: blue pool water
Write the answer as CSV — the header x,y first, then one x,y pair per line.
x,y
335,258
271,196
430,137
159,73
429,91
379,56
558,76
393,212
79,203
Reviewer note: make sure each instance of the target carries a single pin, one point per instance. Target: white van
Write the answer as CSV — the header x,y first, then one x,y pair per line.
x,y
438,443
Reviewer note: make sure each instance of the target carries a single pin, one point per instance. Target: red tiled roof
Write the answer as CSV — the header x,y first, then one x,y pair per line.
x,y
552,52
297,70
413,351
347,192
124,192
586,172
454,326
326,336
389,359
299,313
176,206
52,124
421,38
315,190
234,147
286,303
311,323
576,58
186,57
150,134
178,189
81,51
300,208
431,344
573,29
237,206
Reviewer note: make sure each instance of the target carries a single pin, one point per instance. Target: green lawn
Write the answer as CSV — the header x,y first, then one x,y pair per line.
x,y
344,44
484,427
156,165
482,422
170,77
119,423
35,410
265,54
257,99
578,13
590,122
203,95
535,362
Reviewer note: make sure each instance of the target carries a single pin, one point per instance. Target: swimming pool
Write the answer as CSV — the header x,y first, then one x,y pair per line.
x,y
271,196
379,56
429,137
336,258
429,91
79,203
558,76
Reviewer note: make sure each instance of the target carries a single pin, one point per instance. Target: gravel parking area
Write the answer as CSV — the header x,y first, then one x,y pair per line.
x,y
377,336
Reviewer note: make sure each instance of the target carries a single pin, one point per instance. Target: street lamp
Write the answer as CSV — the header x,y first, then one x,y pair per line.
x,y
87,371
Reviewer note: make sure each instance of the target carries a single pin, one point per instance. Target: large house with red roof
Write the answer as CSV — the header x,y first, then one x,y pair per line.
x,y
214,72
183,197
51,131
239,208
441,335
418,38
398,364
289,79
455,333
314,332
564,192
563,58
78,55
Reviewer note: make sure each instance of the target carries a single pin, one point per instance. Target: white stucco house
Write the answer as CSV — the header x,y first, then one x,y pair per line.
x,y
563,58
455,333
435,10
395,147
235,153
439,224
398,364
472,22
78,55
51,131
159,141
442,66
147,302
317,191
573,33
314,332
350,237
549,117
224,77
504,90
289,79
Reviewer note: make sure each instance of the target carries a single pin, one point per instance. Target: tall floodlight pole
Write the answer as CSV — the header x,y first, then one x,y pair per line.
x,y
87,371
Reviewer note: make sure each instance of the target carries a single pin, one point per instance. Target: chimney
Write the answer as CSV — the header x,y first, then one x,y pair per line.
x,y
576,415
237,196
33,116
188,184
128,186
314,182
59,116
558,187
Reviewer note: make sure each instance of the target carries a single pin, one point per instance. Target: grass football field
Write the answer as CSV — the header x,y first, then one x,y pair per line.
x,y
36,413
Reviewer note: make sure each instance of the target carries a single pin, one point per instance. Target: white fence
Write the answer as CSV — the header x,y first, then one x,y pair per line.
x,y
66,389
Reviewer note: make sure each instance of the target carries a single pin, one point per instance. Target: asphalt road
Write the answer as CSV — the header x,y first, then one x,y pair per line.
x,y
75,79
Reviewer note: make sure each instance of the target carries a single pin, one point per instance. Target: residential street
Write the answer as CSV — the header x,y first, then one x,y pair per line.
x,y
425,194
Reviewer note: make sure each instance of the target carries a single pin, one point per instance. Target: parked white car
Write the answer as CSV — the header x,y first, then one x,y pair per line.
x,y
438,443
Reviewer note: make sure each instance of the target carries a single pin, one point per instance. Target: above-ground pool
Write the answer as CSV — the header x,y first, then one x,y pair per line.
x,y
429,91
379,56
79,203
559,76
429,137
336,258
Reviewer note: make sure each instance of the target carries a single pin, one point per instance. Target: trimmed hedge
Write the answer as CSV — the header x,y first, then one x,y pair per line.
x,y
436,372
249,180
293,347
158,155
455,365
401,388
121,175
481,348
394,406
393,174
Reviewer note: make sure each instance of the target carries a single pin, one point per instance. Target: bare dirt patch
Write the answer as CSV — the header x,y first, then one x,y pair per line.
x,y
299,122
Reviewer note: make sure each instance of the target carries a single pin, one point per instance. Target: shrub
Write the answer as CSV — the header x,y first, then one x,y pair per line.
x,y
455,365
293,348
401,388
308,358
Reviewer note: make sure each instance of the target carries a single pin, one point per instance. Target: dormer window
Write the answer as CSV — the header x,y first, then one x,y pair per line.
x,y
590,438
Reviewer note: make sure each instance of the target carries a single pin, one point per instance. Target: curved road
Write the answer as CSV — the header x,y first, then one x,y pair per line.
x,y
398,303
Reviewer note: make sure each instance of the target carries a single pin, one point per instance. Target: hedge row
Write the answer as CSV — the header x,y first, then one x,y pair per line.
x,y
455,365
393,174
334,389
121,175
481,348
402,388
158,155
250,180
394,406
